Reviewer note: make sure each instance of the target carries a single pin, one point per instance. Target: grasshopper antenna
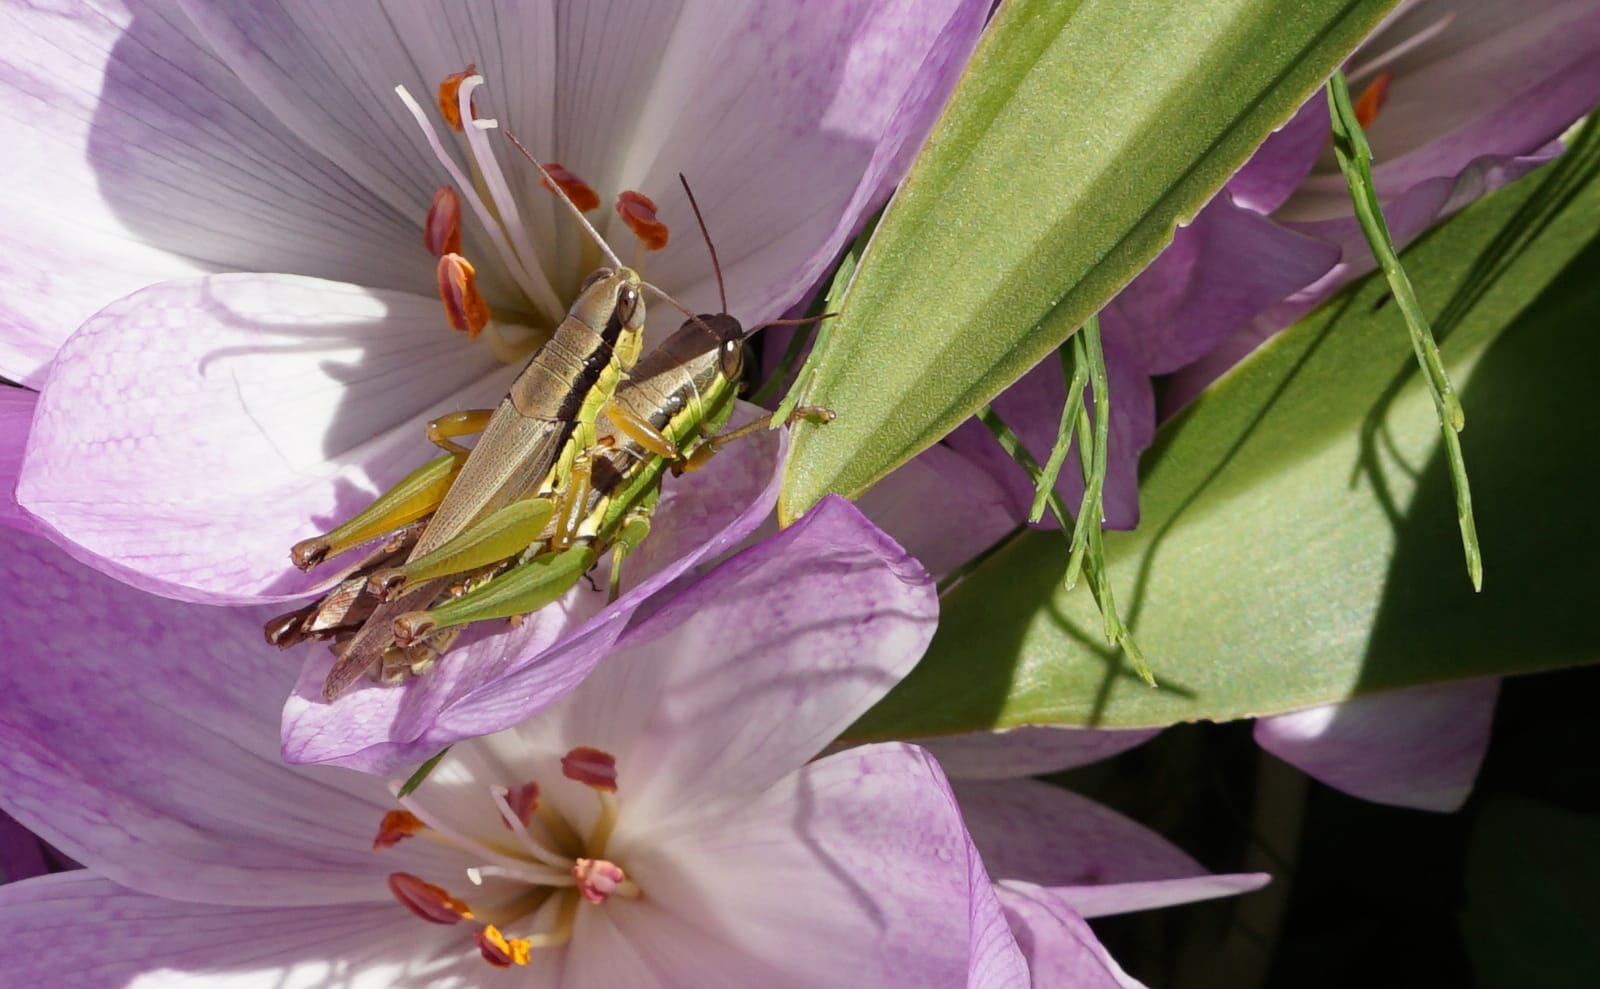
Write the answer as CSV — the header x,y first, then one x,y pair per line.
x,y
803,320
722,292
561,193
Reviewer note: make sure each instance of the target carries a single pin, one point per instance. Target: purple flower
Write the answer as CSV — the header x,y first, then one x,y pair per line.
x,y
1461,97
660,825
234,214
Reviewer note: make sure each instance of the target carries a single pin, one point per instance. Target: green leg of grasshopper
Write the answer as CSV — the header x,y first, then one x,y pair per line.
x,y
634,529
416,496
503,534
521,589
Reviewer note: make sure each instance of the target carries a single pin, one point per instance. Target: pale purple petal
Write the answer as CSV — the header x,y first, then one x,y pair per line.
x,y
1410,214
140,741
1498,80
1284,160
81,931
1098,861
1419,747
865,880
1221,270
21,851
251,411
135,156
1032,408
941,508
1031,750
832,101
1062,951
772,655
16,418
493,680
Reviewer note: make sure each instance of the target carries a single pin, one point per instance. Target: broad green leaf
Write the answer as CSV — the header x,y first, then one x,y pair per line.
x,y
1298,543
1532,889
1080,135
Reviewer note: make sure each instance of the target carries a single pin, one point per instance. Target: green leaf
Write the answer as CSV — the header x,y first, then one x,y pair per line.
x,y
1080,135
1532,891
1298,543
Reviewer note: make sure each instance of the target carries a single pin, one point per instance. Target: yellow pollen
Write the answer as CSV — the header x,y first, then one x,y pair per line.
x,y
500,951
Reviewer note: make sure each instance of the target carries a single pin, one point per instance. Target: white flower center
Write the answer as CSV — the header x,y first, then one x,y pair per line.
x,y
531,886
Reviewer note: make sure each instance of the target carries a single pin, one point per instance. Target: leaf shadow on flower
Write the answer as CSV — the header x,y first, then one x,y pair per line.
x,y
1531,405
192,162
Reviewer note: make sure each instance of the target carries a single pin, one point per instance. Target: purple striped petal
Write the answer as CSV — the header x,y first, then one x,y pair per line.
x,y
1031,750
16,419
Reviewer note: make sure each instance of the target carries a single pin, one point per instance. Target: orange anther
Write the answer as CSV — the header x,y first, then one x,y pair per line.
x,y
580,192
464,307
500,951
638,211
449,91
426,900
441,231
397,826
1373,98
591,767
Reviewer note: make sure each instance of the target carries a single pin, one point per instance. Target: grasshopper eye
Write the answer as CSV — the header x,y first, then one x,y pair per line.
x,y
731,356
628,309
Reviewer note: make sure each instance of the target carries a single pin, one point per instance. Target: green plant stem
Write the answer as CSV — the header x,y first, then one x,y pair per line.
x,y
1355,161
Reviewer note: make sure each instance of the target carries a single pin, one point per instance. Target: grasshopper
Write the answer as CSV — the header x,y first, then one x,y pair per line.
x,y
666,413
536,434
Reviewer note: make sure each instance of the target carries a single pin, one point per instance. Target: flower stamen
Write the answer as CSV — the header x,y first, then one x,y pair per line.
x,y
500,952
396,826
1372,98
529,278
449,105
441,231
431,903
580,192
464,307
638,211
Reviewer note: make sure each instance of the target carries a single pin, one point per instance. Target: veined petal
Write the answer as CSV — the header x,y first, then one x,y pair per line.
x,y
833,98
16,418
1062,951
193,431
80,930
1419,747
139,740
1031,750
135,156
836,613
1095,859
864,880
494,680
